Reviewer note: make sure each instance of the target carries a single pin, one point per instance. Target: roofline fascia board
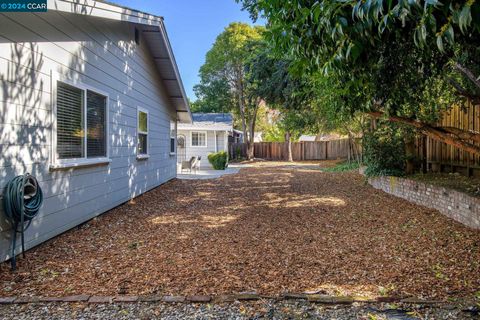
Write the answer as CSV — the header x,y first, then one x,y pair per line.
x,y
104,10
175,68
112,11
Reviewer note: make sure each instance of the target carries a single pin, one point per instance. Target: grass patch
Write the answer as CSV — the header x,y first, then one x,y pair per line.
x,y
343,166
453,181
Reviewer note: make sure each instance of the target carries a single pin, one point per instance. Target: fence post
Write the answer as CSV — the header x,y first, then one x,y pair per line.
x,y
424,154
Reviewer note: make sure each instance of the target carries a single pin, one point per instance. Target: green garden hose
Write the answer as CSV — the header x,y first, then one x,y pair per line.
x,y
22,200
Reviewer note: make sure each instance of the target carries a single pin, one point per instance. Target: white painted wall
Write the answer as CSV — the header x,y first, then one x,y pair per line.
x,y
35,49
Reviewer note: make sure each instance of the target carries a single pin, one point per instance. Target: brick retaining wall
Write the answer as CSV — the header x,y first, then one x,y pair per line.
x,y
454,204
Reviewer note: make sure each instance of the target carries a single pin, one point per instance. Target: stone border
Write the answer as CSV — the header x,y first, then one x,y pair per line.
x,y
451,203
314,298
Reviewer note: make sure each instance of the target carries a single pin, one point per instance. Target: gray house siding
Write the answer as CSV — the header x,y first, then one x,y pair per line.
x,y
34,52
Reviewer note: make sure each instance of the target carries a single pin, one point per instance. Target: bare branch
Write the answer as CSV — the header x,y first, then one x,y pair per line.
x,y
462,134
440,134
463,92
468,73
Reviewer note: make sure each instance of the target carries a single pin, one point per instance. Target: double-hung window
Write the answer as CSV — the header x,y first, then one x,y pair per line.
x,y
81,123
199,139
142,133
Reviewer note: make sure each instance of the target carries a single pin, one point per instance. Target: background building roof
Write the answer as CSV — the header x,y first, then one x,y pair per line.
x,y
209,121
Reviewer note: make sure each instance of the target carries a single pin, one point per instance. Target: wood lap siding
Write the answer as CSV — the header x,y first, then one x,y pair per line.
x,y
103,55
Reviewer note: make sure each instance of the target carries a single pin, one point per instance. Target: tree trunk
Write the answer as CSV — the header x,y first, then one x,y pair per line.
x,y
436,133
351,152
241,107
251,137
250,150
288,140
251,141
410,155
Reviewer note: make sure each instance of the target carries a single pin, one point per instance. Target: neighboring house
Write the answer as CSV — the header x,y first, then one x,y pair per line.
x,y
305,138
236,136
207,134
321,137
258,136
329,137
89,99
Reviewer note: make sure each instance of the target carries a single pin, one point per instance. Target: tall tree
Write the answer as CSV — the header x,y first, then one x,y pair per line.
x,y
223,76
282,90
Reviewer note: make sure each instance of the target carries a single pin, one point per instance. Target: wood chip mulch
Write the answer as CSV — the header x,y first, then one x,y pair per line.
x,y
268,229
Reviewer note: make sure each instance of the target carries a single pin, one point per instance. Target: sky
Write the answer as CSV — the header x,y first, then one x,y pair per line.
x,y
192,26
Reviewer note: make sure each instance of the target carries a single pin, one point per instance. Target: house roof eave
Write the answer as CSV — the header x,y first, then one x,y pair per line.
x,y
166,64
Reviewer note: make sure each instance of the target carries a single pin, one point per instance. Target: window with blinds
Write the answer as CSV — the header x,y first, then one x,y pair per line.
x,y
81,123
70,134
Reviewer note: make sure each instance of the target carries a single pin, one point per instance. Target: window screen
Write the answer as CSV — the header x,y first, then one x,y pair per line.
x,y
96,120
172,144
173,134
142,132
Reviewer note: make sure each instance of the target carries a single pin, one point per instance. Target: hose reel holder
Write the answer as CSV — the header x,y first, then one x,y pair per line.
x,y
22,200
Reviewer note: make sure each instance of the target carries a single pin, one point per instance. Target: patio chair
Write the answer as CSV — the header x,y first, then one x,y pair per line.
x,y
189,165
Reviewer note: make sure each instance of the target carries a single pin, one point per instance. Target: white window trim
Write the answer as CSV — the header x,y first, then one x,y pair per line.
x,y
57,163
143,156
174,137
80,163
191,140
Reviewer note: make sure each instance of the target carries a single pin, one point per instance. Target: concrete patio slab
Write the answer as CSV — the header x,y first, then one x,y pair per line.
x,y
209,173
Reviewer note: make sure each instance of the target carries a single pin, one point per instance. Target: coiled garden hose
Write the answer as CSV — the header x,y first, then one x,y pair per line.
x,y
22,200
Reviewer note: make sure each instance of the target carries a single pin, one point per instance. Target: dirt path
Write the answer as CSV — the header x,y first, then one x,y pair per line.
x,y
268,229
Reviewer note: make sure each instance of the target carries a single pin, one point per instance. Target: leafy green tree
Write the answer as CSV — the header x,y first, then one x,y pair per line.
x,y
404,61
224,85
213,96
291,95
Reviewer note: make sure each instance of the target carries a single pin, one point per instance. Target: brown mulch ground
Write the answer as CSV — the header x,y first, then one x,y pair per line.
x,y
271,228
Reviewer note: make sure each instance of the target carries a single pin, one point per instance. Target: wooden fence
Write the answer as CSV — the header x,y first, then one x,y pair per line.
x,y
317,150
435,156
439,156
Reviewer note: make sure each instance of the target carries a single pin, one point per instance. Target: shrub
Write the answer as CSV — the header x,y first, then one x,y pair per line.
x,y
218,160
344,166
238,152
384,152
